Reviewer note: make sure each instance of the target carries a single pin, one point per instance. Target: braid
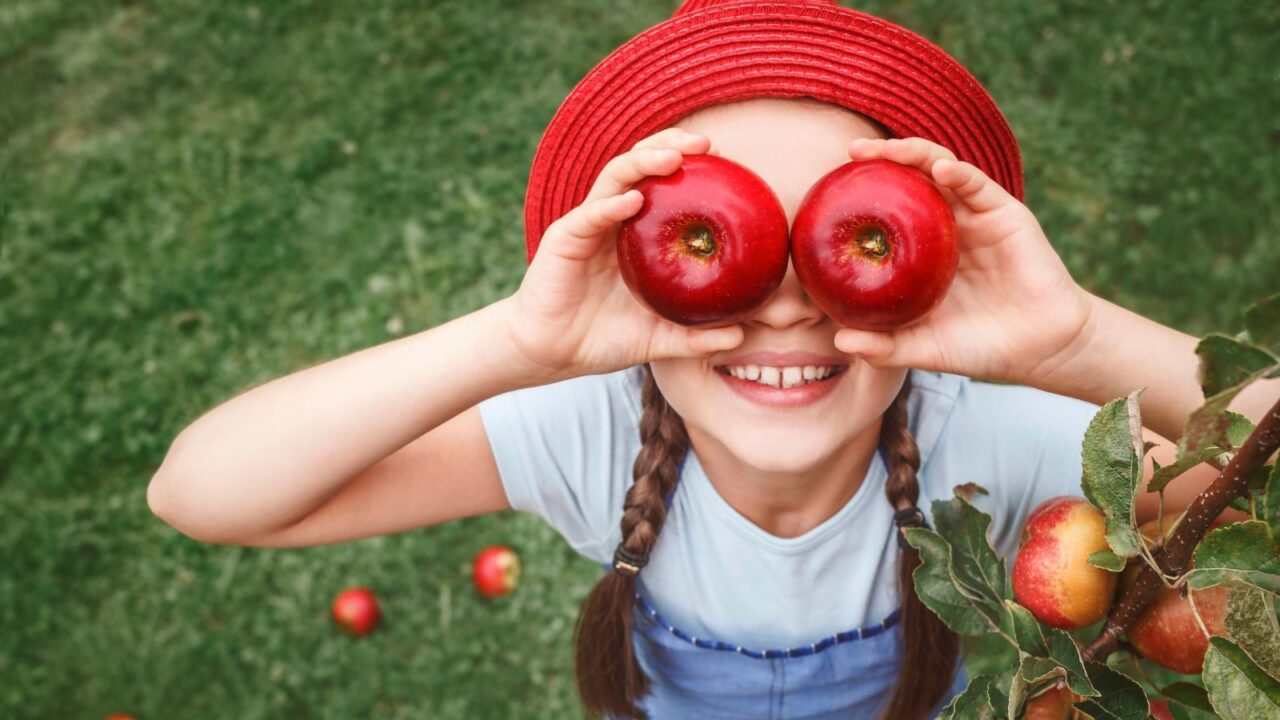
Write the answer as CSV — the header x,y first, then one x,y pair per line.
x,y
930,648
610,680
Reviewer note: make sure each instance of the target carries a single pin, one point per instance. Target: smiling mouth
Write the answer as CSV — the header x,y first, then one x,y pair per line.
x,y
782,377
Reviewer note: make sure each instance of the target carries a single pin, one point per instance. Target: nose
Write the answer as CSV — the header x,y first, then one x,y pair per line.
x,y
789,306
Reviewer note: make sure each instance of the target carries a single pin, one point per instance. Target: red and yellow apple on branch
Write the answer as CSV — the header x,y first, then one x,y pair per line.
x,y
1166,632
1052,576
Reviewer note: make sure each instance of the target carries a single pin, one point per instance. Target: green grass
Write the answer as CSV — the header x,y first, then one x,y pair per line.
x,y
198,197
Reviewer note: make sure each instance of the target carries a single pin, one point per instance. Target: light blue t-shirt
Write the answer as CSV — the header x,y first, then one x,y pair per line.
x,y
565,452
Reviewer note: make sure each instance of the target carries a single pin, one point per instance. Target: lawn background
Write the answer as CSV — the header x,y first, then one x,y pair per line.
x,y
196,197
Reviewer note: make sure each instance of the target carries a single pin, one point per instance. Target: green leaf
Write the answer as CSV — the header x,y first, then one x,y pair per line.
x,y
1268,502
1107,560
974,702
1120,698
1262,321
1112,458
1027,630
1185,693
978,572
1252,623
1241,552
1226,362
937,588
1238,688
1235,433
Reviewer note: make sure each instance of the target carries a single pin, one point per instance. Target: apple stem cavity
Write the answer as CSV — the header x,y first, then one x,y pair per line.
x,y
872,242
699,239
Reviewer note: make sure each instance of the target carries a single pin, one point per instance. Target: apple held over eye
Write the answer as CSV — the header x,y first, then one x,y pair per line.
x,y
496,571
708,245
874,245
356,611
1052,576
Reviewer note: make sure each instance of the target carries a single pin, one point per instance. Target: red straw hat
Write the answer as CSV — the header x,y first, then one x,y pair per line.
x,y
716,51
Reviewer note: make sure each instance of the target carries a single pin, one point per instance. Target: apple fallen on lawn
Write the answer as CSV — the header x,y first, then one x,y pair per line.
x,y
1166,632
356,610
874,245
708,245
496,571
1052,576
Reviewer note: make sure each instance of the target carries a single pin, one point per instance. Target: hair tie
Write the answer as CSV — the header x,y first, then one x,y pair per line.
x,y
627,562
908,518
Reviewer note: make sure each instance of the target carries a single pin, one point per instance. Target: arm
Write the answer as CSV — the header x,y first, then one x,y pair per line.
x,y
1014,314
388,438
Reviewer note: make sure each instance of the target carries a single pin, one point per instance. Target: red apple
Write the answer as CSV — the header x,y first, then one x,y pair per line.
x,y
1052,576
119,716
874,244
709,244
356,610
1057,703
496,571
1166,631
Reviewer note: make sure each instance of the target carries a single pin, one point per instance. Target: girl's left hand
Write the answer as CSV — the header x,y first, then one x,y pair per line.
x,y
1013,313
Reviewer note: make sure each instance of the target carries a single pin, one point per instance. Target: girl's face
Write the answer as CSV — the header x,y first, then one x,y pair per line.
x,y
791,143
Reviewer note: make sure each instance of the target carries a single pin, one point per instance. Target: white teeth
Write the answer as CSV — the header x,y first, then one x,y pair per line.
x,y
770,376
791,377
781,377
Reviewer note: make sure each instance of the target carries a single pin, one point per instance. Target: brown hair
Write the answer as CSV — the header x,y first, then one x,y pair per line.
x,y
610,680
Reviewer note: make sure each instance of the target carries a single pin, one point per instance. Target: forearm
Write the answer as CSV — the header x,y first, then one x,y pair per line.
x,y
1119,351
273,454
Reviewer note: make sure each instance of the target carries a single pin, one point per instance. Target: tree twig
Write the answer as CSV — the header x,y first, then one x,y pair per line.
x,y
1176,553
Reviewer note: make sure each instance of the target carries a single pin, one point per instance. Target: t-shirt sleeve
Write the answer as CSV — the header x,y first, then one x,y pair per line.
x,y
565,453
1019,443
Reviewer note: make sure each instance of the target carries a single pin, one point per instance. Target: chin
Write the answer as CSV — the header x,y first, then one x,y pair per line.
x,y
776,449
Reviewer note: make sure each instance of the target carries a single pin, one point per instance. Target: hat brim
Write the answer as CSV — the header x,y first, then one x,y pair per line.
x,y
745,50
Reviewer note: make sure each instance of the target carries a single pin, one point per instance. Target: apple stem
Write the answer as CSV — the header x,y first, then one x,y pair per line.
x,y
700,240
1173,557
872,242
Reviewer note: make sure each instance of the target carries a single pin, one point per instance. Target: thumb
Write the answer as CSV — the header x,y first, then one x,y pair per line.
x,y
672,341
880,349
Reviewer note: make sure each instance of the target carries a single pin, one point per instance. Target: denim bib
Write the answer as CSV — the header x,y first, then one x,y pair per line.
x,y
846,676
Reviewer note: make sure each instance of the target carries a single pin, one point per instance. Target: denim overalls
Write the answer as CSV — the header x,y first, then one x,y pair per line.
x,y
846,676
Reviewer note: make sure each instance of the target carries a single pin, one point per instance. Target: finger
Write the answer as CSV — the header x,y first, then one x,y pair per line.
x,y
880,349
579,234
914,151
971,186
660,154
675,341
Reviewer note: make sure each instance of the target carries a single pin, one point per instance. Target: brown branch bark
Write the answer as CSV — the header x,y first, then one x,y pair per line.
x,y
1176,553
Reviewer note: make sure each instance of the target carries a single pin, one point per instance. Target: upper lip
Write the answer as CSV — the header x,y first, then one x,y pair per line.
x,y
793,358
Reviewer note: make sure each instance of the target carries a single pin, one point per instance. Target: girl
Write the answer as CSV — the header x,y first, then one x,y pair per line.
x,y
732,481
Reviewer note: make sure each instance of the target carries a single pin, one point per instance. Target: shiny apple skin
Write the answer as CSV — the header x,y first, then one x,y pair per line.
x,y
356,611
496,571
1052,576
855,286
747,225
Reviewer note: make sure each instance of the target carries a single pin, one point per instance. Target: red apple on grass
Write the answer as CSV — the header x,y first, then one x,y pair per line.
x,y
496,571
874,244
709,244
1052,576
356,611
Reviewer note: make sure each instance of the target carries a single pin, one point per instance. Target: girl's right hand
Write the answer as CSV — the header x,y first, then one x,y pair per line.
x,y
573,314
